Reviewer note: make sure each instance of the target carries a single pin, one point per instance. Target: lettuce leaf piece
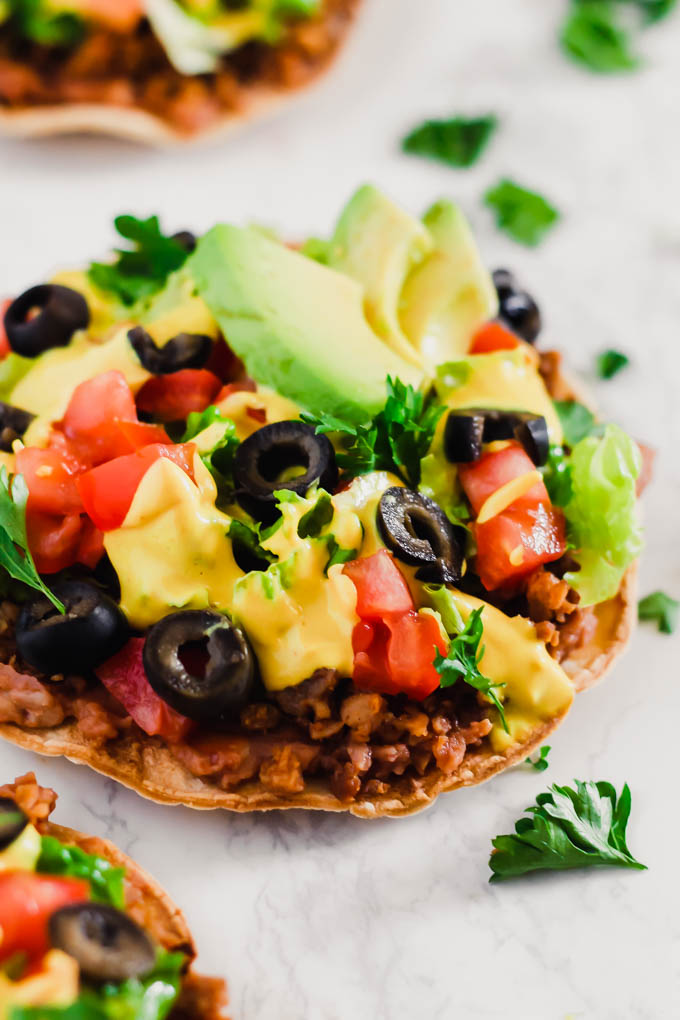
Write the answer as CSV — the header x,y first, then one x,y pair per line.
x,y
106,881
602,516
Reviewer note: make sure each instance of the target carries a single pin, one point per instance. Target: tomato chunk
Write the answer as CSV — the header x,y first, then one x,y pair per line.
x,y
396,656
53,540
27,901
495,469
492,336
124,676
5,348
50,475
380,584
173,397
107,491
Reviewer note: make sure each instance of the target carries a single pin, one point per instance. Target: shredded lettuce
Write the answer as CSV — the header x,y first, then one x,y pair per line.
x,y
601,515
106,881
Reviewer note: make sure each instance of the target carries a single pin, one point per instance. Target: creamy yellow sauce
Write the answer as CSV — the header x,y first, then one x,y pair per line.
x,y
275,407
55,984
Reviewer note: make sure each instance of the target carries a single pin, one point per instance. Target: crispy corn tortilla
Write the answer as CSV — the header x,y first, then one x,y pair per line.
x,y
138,125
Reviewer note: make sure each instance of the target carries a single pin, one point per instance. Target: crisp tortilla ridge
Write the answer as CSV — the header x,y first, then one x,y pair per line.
x,y
138,125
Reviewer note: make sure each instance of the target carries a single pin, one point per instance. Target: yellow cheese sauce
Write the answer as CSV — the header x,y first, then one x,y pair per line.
x,y
536,687
275,407
55,984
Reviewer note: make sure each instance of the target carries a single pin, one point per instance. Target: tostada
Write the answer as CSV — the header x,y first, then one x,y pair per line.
x,y
301,526
159,70
85,931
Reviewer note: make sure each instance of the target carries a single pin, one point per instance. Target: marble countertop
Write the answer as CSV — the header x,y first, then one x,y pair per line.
x,y
320,917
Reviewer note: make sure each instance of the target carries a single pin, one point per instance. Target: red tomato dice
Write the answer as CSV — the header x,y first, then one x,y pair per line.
x,y
396,656
381,586
50,475
5,348
492,336
493,470
173,397
124,676
27,901
53,540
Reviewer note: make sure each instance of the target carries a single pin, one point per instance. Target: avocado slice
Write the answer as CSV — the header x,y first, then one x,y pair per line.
x,y
450,294
298,326
378,244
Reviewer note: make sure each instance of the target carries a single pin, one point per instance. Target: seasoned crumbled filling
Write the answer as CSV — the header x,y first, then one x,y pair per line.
x,y
37,802
132,70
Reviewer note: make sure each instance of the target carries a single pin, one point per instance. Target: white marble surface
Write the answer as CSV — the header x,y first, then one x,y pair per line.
x,y
331,918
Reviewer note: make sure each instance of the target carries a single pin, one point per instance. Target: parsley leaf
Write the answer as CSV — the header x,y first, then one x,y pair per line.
x,y
462,662
581,828
142,270
458,141
15,556
655,10
33,20
106,881
661,609
395,440
541,763
525,215
591,35
557,476
576,419
610,362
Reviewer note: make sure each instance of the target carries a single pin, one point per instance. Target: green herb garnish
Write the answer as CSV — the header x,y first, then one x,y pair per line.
x,y
581,828
458,141
312,523
576,419
541,763
249,535
395,440
610,362
142,270
661,609
33,20
15,556
219,458
106,881
592,36
462,662
524,215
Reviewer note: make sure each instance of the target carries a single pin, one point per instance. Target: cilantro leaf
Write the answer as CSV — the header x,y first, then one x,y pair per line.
x,y
610,362
576,419
395,440
106,881
661,609
142,270
591,35
541,763
557,476
568,828
524,215
15,556
458,141
462,662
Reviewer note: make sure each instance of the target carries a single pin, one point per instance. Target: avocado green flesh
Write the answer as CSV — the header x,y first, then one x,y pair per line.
x,y
298,326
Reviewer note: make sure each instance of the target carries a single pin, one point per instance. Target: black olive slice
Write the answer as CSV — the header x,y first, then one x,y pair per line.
x,y
284,455
466,429
200,664
186,350
185,239
106,944
517,308
13,423
505,283
59,312
13,821
92,630
418,532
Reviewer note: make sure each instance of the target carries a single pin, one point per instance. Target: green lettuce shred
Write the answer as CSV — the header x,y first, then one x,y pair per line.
x,y
106,881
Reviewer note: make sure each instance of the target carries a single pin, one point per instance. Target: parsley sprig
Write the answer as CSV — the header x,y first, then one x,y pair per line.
x,y
395,440
541,763
462,662
610,362
524,215
567,828
142,270
661,609
15,556
457,141
598,34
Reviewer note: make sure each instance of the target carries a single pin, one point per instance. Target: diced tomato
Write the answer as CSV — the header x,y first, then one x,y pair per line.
x,y
243,386
492,336
173,397
496,468
51,479
223,362
27,901
53,540
90,544
380,584
396,656
5,348
107,491
124,676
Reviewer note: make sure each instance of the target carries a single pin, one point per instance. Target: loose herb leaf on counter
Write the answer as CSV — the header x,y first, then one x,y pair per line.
x,y
655,10
576,419
593,36
106,881
610,362
524,215
15,556
541,763
661,609
567,828
458,141
395,440
140,271
462,662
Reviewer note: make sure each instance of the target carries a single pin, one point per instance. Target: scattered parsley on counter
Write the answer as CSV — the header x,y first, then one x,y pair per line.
x,y
524,215
457,142
661,609
395,440
541,763
462,662
142,270
15,556
576,419
597,33
610,362
567,828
